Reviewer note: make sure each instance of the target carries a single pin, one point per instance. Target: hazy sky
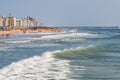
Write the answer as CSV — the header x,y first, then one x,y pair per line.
x,y
65,12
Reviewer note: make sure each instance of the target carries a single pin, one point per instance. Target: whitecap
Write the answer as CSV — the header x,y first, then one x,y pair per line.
x,y
74,35
21,41
38,67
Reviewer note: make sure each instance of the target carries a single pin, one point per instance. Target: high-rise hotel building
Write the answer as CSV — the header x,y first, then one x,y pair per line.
x,y
12,21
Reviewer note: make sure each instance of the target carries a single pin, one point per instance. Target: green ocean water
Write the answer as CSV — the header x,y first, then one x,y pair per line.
x,y
75,54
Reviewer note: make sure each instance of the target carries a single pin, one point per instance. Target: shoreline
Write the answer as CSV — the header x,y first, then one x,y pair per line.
x,y
7,33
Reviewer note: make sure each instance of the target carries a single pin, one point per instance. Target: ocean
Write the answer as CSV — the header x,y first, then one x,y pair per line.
x,y
75,54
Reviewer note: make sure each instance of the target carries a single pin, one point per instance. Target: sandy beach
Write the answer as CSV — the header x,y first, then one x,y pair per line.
x,y
7,33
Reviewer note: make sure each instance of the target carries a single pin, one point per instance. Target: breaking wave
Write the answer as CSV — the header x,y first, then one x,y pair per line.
x,y
90,52
54,65
68,35
38,67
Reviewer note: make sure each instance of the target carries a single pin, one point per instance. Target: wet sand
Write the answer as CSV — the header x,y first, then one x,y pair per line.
x,y
24,31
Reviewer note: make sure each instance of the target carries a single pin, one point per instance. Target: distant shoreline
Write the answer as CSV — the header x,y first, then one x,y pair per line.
x,y
92,27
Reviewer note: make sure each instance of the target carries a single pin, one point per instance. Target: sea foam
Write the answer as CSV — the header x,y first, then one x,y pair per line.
x,y
35,68
58,36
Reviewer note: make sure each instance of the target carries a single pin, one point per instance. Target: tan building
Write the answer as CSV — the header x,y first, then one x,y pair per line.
x,y
20,23
12,21
28,23
1,21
